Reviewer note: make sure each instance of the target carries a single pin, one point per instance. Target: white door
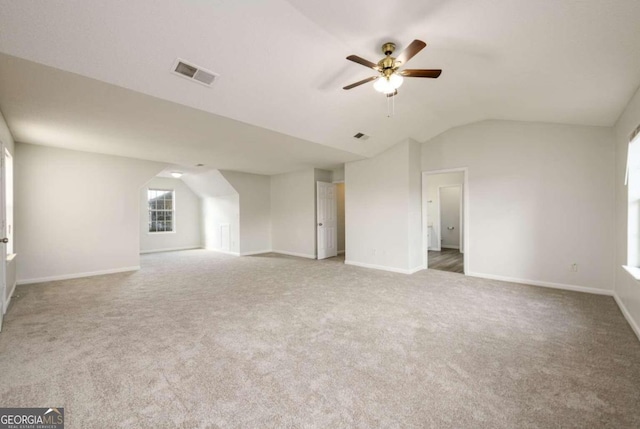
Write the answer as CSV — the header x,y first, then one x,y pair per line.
x,y
3,233
327,227
450,202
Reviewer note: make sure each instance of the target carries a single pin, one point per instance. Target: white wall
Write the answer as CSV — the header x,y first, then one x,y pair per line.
x,y
7,139
255,210
293,227
416,256
187,218
337,174
341,224
540,199
382,209
430,193
77,212
220,206
627,289
217,212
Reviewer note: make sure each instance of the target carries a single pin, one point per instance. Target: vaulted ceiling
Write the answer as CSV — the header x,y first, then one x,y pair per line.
x,y
282,66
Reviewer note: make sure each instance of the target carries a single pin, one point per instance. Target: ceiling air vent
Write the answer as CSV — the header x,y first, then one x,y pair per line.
x,y
194,73
361,136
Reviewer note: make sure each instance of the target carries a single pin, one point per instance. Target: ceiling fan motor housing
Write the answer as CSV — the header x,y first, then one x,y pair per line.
x,y
388,64
388,48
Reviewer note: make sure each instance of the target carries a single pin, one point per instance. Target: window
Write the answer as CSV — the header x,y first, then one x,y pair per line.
x,y
633,194
161,210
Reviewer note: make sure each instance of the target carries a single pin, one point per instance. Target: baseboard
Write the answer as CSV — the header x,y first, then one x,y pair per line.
x,y
385,268
435,249
256,252
451,247
340,252
552,285
416,269
174,249
8,301
300,255
77,275
627,315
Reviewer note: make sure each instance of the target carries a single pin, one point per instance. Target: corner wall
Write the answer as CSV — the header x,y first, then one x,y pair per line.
x,y
254,192
77,213
383,210
540,199
220,205
293,213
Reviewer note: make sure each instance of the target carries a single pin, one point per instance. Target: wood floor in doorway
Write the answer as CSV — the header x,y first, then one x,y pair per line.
x,y
446,260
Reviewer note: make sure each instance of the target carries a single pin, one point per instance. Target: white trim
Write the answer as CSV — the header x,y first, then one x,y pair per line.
x,y
77,275
627,315
340,252
451,247
8,301
300,255
552,285
385,268
256,252
173,249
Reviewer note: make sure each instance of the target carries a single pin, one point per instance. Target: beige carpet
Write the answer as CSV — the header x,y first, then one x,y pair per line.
x,y
202,340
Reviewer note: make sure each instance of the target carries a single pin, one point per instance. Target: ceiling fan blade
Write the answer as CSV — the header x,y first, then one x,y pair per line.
x,y
420,73
410,51
362,61
363,81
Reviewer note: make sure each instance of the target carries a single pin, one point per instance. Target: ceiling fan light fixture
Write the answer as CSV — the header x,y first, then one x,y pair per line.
x,y
396,80
388,85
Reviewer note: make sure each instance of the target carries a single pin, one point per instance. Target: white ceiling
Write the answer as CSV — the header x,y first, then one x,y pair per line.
x,y
44,105
282,64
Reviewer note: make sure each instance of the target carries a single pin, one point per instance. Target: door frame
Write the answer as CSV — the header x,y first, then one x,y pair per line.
x,y
464,219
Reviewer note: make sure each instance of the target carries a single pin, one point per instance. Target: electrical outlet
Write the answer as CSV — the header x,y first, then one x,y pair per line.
x,y
574,267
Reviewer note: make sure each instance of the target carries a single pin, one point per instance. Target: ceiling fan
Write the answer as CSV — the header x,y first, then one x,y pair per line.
x,y
390,77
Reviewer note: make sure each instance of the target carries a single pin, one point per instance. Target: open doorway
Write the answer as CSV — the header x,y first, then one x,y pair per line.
x,y
445,229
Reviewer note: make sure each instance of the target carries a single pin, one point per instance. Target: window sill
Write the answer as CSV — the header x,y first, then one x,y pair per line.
x,y
161,232
633,271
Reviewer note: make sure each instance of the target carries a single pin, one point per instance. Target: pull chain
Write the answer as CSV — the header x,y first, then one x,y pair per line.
x,y
391,105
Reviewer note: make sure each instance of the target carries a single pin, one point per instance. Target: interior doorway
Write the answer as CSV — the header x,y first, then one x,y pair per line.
x,y
327,220
445,231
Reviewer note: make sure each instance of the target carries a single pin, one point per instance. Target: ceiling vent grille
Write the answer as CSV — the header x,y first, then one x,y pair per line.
x,y
194,73
361,136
